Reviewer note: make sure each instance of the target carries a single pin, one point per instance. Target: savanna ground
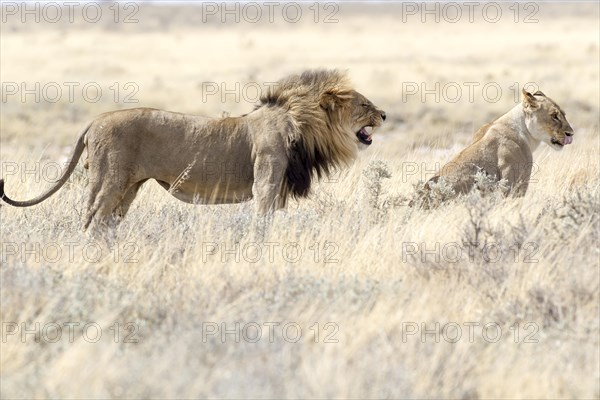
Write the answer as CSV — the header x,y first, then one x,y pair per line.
x,y
481,298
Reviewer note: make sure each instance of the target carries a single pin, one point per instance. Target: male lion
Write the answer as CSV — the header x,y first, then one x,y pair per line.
x,y
503,148
304,126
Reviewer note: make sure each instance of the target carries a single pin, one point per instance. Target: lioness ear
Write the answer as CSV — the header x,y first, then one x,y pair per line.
x,y
331,101
529,102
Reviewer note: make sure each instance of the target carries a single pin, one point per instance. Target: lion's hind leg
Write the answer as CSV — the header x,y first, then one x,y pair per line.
x,y
123,207
109,197
111,203
91,207
104,205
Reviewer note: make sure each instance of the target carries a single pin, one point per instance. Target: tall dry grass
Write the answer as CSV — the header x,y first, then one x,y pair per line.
x,y
373,273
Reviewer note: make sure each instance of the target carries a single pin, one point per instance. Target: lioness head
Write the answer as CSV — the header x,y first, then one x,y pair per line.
x,y
357,114
546,121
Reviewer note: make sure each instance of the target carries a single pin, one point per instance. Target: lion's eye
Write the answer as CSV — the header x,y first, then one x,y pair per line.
x,y
555,117
365,105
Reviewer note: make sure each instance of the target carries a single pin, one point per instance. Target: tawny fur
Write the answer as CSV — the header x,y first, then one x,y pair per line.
x,y
503,148
303,127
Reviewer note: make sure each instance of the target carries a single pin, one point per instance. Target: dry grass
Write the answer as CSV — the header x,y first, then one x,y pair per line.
x,y
370,266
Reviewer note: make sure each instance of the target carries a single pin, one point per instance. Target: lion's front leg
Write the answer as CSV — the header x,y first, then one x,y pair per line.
x,y
266,189
518,182
518,176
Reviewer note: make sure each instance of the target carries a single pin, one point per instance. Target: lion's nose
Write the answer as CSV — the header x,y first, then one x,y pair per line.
x,y
383,116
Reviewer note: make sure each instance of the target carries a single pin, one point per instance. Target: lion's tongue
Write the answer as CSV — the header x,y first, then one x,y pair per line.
x,y
568,140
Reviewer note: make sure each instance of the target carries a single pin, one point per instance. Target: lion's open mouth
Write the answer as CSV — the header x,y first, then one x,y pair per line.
x,y
364,135
567,140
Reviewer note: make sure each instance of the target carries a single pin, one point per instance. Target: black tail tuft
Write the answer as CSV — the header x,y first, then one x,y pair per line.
x,y
2,189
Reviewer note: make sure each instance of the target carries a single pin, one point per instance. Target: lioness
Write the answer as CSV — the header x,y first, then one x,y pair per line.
x,y
304,126
503,148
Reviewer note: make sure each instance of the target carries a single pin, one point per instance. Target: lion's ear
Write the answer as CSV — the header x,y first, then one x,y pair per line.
x,y
529,101
331,101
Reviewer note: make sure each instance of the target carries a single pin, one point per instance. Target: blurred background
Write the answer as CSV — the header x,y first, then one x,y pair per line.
x,y
440,70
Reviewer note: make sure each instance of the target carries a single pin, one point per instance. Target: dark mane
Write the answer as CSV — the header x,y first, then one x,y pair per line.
x,y
316,141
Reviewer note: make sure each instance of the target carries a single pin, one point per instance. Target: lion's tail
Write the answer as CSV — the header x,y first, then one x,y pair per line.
x,y
65,176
